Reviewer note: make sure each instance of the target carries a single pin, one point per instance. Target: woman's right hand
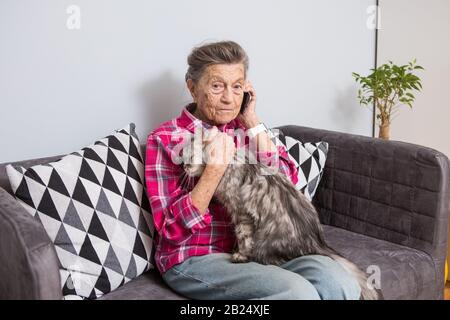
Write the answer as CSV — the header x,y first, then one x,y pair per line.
x,y
219,149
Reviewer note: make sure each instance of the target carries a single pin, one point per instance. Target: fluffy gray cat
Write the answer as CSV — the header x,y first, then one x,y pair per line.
x,y
274,222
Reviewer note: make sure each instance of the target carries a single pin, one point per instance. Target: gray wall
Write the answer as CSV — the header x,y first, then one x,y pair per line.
x,y
420,29
61,88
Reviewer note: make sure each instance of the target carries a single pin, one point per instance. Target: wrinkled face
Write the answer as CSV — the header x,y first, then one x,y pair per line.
x,y
219,93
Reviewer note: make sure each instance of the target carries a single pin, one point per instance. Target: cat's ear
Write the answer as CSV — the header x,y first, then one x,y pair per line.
x,y
193,151
187,150
210,134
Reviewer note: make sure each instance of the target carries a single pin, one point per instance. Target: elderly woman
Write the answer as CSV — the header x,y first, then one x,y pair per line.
x,y
194,235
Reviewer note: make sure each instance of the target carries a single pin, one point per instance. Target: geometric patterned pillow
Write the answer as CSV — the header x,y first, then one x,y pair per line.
x,y
310,161
93,205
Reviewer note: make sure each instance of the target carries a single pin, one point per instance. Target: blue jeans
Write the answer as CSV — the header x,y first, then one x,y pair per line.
x,y
214,276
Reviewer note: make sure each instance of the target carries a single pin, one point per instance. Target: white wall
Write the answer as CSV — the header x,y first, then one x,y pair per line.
x,y
61,89
420,29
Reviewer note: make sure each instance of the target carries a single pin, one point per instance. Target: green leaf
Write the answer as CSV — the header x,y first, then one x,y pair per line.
x,y
387,82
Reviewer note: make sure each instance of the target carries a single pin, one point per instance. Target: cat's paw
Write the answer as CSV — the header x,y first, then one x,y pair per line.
x,y
238,258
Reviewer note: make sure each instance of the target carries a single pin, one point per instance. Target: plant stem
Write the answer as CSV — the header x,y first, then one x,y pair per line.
x,y
392,104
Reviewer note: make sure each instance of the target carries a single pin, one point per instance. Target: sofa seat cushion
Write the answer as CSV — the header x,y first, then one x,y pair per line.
x,y
405,273
148,286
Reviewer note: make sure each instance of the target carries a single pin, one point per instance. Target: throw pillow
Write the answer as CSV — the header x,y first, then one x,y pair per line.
x,y
310,158
94,207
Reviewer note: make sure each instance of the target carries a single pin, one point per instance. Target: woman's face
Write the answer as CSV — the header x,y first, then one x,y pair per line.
x,y
219,93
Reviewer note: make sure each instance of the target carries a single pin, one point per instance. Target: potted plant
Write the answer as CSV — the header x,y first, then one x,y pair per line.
x,y
387,88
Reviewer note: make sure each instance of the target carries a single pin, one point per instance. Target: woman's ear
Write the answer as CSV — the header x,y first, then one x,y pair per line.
x,y
191,87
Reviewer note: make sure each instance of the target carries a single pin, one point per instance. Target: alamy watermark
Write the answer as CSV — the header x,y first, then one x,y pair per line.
x,y
374,19
73,21
247,149
374,278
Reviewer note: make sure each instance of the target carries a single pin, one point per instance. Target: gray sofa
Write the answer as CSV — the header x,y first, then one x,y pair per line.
x,y
382,203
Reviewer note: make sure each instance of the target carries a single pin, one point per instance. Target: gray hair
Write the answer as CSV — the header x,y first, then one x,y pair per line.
x,y
223,52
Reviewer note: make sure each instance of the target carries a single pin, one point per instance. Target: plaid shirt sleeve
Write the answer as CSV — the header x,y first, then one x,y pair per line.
x,y
175,216
280,160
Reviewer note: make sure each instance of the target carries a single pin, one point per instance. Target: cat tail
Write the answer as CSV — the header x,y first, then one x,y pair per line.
x,y
366,292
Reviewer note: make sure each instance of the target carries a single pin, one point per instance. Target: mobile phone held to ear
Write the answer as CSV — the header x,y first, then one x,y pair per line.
x,y
245,101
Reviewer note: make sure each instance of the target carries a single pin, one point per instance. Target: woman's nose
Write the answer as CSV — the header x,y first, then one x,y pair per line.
x,y
227,95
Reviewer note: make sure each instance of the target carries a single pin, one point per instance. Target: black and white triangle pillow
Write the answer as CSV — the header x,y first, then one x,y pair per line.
x,y
93,205
310,158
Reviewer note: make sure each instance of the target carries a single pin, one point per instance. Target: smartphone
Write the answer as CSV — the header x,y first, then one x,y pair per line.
x,y
245,101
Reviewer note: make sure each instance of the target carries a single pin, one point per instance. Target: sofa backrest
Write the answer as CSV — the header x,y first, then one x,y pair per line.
x,y
389,190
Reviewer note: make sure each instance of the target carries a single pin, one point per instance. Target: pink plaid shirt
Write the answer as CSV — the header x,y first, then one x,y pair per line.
x,y
183,232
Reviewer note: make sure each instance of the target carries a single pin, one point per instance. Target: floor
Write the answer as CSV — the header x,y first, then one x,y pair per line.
x,y
447,291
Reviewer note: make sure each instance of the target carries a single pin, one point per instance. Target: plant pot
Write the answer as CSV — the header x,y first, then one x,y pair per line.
x,y
384,131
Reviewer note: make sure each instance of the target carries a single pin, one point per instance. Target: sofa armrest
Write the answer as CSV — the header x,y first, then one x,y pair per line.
x,y
29,267
390,190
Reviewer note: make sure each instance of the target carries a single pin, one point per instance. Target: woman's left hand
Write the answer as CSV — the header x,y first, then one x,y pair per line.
x,y
249,118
